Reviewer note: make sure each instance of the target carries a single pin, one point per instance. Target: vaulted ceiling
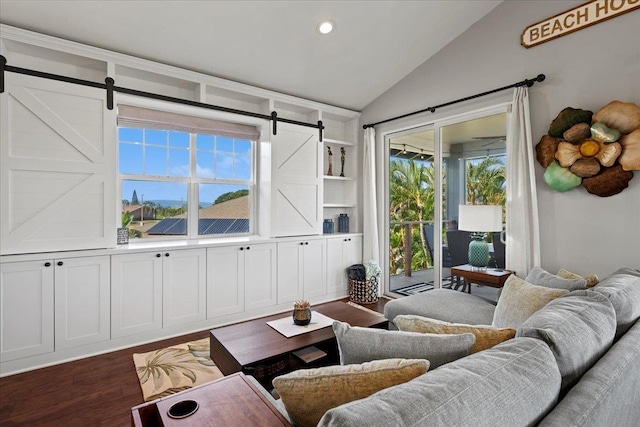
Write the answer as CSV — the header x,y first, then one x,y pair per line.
x,y
269,44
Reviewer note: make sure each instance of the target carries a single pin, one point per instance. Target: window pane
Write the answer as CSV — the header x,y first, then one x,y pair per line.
x,y
179,139
130,158
155,161
157,137
179,162
224,166
204,142
243,146
204,164
243,168
155,209
130,134
224,143
223,209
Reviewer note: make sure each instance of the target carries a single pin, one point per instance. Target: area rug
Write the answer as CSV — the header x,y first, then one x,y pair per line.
x,y
173,369
353,304
417,288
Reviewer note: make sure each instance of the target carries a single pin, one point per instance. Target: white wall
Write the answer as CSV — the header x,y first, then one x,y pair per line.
x,y
587,69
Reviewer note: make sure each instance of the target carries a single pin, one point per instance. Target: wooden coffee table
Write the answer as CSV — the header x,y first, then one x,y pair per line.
x,y
494,277
257,349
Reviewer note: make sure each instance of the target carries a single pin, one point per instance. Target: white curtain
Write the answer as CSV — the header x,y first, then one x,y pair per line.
x,y
370,248
523,235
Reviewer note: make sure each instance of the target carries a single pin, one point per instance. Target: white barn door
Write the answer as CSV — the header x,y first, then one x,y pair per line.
x,y
297,181
57,167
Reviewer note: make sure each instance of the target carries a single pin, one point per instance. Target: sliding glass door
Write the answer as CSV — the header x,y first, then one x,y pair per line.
x,y
431,171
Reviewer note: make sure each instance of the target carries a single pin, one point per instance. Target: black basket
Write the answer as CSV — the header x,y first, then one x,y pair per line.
x,y
364,291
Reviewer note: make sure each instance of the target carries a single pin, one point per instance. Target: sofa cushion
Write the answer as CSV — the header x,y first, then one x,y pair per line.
x,y
623,290
308,393
591,279
442,304
579,328
512,384
607,394
540,277
486,336
359,345
519,300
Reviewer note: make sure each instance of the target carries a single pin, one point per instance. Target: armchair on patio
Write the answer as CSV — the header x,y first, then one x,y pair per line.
x,y
458,243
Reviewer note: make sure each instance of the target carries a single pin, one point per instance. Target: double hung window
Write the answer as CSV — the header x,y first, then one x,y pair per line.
x,y
184,176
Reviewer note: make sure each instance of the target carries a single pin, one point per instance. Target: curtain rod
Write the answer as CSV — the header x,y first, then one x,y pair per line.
x,y
109,86
526,82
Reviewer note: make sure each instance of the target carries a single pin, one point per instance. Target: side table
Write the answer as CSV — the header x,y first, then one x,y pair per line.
x,y
494,277
232,400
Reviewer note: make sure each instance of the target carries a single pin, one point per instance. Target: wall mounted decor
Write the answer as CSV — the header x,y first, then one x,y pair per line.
x,y
577,18
598,151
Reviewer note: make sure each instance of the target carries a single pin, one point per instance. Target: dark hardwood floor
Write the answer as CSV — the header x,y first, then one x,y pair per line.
x,y
96,391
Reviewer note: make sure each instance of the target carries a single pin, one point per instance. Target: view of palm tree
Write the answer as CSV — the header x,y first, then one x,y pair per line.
x,y
411,193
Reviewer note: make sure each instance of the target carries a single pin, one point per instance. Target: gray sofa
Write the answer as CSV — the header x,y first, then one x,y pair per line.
x,y
575,362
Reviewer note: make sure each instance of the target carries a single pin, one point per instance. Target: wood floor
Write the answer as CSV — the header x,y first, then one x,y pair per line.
x,y
97,391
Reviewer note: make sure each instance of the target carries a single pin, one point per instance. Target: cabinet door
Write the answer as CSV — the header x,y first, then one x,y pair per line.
x,y
225,281
297,181
57,163
290,286
353,251
184,284
336,265
82,301
136,293
260,275
314,268
26,316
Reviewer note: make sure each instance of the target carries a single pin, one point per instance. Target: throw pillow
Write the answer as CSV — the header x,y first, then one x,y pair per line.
x,y
486,336
540,277
359,345
519,300
308,393
591,279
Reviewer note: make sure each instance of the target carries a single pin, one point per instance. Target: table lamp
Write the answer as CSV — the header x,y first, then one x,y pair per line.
x,y
480,219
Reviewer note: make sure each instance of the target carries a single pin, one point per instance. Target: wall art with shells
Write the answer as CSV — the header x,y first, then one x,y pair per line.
x,y
598,150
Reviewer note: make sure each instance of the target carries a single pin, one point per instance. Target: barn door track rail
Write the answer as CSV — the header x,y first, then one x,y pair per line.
x,y
110,87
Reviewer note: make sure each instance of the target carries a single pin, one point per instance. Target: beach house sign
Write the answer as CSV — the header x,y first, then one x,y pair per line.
x,y
575,19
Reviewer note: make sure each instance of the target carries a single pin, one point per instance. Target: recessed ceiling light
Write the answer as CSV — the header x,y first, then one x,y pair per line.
x,y
325,27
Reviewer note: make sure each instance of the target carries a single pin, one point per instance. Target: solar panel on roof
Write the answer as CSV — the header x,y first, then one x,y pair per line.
x,y
178,226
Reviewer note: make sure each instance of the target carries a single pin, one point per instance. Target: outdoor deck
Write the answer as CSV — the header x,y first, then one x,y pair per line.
x,y
398,281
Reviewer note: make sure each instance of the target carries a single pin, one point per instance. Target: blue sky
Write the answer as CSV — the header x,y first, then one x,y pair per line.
x,y
167,154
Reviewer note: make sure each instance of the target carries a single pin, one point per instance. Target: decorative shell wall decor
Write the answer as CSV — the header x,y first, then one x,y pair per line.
x,y
598,151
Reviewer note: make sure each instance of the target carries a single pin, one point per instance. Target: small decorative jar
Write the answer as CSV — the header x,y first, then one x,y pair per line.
x,y
343,223
301,313
327,226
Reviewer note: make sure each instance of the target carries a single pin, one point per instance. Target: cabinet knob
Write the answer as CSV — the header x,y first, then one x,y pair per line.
x,y
166,254
158,255
349,239
302,243
47,264
60,263
248,247
345,240
306,243
241,248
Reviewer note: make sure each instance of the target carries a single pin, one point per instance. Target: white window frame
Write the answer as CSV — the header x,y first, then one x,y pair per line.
x,y
193,181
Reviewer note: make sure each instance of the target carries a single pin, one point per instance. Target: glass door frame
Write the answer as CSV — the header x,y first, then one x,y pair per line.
x,y
419,124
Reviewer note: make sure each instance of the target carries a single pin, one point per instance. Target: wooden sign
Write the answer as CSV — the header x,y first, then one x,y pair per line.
x,y
575,19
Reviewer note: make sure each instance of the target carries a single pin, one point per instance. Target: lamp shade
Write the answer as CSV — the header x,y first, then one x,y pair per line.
x,y
480,218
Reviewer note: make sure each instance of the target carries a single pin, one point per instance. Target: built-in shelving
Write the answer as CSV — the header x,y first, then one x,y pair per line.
x,y
339,178
339,205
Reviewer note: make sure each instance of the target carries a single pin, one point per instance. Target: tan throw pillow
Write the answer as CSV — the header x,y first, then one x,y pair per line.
x,y
519,300
592,279
486,336
308,393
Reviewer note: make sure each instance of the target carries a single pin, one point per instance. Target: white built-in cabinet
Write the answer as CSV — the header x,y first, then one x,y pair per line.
x,y
297,182
342,252
26,299
54,304
157,289
301,270
240,277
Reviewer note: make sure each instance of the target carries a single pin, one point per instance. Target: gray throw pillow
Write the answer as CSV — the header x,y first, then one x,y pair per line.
x,y
359,345
623,290
541,277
